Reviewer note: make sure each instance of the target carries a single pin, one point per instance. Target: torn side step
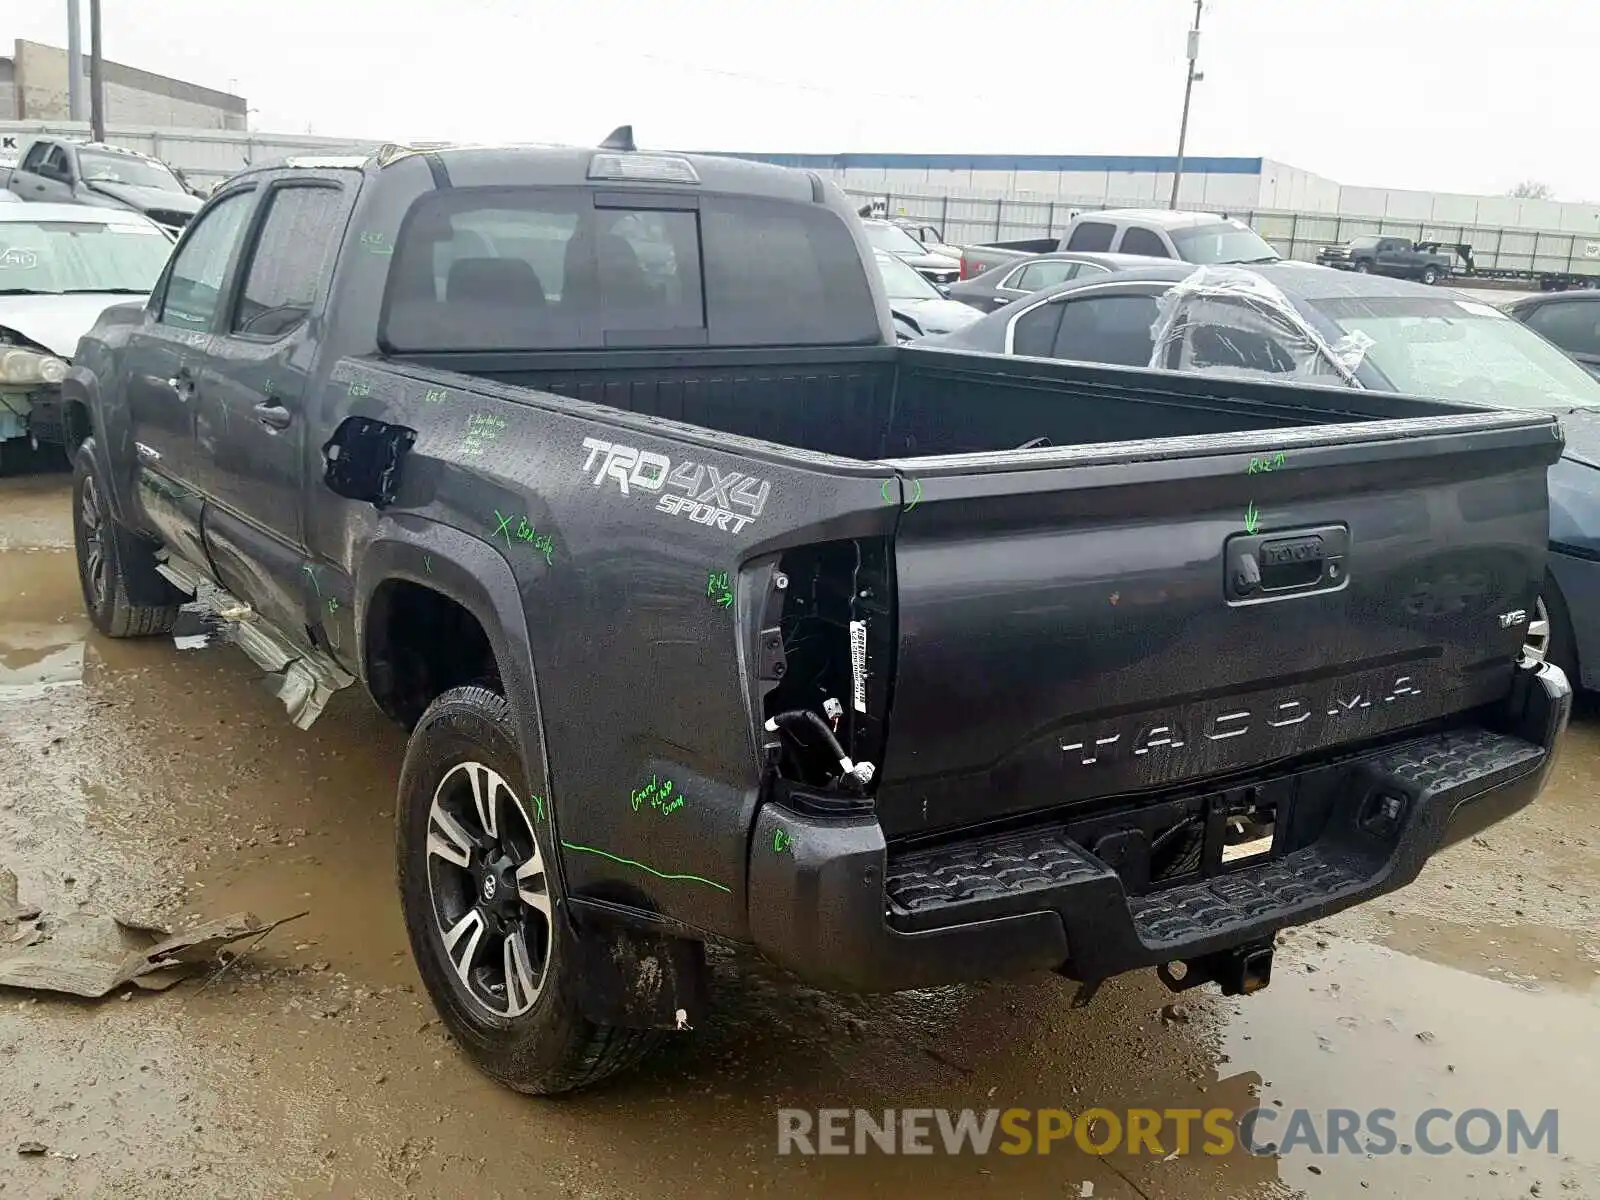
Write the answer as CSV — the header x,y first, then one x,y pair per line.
x,y
301,676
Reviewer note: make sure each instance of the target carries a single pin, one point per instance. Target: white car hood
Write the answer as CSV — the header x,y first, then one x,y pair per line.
x,y
57,322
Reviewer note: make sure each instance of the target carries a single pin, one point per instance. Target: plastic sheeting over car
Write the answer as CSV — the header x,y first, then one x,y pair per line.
x,y
1229,320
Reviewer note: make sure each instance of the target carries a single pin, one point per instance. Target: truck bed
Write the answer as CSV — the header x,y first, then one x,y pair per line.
x,y
1066,565
909,402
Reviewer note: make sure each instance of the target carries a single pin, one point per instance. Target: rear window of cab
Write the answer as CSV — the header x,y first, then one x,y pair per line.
x,y
520,269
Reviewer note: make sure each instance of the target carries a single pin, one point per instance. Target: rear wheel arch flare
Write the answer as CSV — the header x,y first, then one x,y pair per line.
x,y
436,571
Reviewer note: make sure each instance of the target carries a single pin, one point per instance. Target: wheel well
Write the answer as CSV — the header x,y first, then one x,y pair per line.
x,y
75,425
420,644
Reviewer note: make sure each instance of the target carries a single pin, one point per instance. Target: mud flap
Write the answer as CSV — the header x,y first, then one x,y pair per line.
x,y
363,459
639,980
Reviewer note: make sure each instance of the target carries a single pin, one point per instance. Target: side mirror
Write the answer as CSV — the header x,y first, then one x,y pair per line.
x,y
944,289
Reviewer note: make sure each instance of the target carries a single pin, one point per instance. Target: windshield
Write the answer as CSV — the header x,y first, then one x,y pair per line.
x,y
893,239
1225,242
59,257
1462,350
903,282
100,167
1363,243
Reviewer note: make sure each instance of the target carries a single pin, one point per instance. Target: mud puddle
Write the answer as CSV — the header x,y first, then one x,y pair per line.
x,y
43,630
170,783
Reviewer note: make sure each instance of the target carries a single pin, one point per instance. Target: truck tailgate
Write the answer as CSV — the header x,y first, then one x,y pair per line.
x,y
1094,622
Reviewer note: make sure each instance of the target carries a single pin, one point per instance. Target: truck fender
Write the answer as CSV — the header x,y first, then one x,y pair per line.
x,y
472,573
111,434
632,977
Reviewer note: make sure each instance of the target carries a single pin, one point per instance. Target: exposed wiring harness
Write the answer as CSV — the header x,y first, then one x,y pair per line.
x,y
853,775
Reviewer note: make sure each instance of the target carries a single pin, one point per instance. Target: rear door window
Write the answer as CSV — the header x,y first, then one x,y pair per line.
x,y
1106,329
1035,276
1091,235
1143,241
293,251
529,269
1034,334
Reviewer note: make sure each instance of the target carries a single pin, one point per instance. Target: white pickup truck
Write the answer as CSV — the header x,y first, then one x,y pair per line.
x,y
1196,237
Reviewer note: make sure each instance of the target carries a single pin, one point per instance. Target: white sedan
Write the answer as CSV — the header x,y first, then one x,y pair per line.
x,y
61,266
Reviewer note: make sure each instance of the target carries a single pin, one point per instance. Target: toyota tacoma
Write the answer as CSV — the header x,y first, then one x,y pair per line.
x,y
716,616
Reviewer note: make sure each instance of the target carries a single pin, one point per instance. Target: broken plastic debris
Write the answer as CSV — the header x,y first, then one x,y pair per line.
x,y
85,954
11,910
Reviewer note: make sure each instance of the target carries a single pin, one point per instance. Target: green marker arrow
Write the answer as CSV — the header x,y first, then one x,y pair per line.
x,y
1252,518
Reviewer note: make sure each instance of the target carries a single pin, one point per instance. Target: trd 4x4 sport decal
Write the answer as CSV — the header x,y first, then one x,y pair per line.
x,y
730,500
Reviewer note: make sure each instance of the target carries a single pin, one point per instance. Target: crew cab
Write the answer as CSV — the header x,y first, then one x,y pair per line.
x,y
1402,258
63,171
1193,237
715,615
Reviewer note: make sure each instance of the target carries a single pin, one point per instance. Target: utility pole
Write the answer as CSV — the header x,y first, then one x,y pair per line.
x,y
1194,77
97,83
74,61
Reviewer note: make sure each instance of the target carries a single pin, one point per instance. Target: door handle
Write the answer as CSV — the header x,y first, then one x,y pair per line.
x,y
273,416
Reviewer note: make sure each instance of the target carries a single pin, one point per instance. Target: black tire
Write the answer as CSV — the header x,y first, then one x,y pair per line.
x,y
1363,267
1562,647
1430,275
114,564
550,1047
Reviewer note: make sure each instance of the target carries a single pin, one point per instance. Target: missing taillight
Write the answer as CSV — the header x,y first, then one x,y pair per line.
x,y
826,651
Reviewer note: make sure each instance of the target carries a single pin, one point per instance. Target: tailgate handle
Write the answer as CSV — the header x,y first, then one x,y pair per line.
x,y
1285,563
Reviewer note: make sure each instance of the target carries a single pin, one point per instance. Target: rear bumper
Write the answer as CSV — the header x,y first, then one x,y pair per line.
x,y
832,903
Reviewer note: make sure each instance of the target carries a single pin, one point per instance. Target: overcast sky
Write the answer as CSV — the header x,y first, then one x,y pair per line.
x,y
1363,91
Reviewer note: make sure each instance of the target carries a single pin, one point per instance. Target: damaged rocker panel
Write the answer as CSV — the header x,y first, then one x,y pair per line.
x,y
303,679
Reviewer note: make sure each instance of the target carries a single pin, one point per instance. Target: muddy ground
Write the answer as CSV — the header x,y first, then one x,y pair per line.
x,y
139,779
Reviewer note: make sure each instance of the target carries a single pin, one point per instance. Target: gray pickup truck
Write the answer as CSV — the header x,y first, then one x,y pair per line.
x,y
1194,237
1427,262
716,616
63,171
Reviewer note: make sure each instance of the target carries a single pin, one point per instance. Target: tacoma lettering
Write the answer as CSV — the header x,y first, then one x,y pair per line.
x,y
1168,734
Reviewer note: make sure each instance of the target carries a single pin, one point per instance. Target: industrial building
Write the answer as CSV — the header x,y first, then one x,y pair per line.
x,y
33,87
991,197
1238,185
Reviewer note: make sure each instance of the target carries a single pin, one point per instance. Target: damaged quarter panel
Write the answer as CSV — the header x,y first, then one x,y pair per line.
x,y
652,750
582,538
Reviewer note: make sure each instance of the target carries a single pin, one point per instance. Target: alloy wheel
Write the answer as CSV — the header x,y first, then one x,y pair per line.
x,y
1536,645
489,888
93,526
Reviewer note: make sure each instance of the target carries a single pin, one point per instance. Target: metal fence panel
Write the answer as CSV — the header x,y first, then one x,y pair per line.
x,y
966,219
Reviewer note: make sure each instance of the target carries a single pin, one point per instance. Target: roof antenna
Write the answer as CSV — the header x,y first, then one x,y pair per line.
x,y
620,138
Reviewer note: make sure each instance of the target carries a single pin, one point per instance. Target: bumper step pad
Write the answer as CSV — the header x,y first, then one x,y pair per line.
x,y
1041,869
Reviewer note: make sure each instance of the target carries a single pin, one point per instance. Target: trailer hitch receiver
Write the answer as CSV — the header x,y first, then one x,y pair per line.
x,y
1237,972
